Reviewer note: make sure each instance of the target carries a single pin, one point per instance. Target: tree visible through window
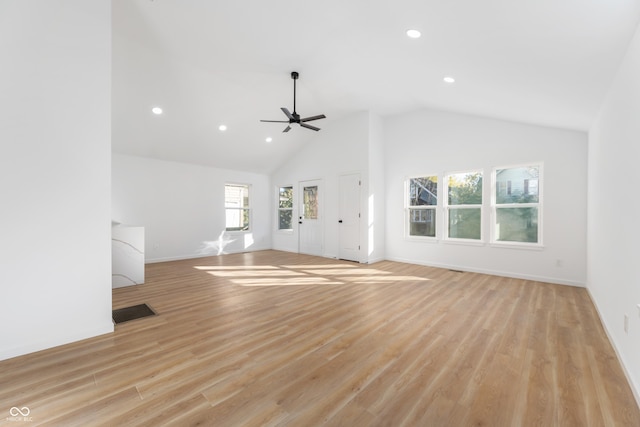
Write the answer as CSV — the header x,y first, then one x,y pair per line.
x,y
517,204
421,206
464,205
285,208
236,203
310,202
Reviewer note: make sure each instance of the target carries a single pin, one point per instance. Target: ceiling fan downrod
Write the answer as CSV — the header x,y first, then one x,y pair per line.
x,y
294,76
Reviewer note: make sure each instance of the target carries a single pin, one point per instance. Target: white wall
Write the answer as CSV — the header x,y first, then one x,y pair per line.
x,y
376,192
181,207
431,142
55,81
613,277
340,148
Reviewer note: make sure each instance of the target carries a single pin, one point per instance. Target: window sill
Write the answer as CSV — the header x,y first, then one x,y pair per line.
x,y
237,231
464,242
419,239
524,246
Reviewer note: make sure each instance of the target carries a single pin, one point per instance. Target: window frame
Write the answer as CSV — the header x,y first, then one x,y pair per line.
x,y
279,209
408,208
446,208
495,207
241,209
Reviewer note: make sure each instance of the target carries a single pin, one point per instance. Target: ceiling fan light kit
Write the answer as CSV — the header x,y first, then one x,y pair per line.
x,y
294,118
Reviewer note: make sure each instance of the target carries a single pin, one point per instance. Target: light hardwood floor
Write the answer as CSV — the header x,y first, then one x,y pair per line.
x,y
273,338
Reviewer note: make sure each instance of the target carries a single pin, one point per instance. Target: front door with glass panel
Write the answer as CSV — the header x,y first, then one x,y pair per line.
x,y
310,227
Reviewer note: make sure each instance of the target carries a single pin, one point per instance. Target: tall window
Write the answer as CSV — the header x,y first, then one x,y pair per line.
x,y
285,208
236,203
421,204
464,205
517,204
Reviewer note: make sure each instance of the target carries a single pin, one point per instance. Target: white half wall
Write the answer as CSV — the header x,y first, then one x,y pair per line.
x,y
613,277
55,128
433,142
181,207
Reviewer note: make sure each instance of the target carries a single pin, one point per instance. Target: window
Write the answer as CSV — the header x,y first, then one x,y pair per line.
x,y
463,205
236,203
285,208
310,202
517,205
421,204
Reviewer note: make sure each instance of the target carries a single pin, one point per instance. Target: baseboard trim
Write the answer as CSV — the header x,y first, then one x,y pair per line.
x,y
106,328
635,389
493,272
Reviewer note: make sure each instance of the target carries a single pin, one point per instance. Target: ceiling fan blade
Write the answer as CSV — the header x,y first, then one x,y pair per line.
x,y
287,113
308,119
304,125
287,129
275,121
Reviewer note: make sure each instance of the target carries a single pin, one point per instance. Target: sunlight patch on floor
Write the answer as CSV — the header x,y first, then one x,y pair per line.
x,y
305,275
339,272
297,281
316,266
255,273
382,279
236,268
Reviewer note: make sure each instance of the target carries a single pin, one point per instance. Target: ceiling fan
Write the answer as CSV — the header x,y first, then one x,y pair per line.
x,y
295,117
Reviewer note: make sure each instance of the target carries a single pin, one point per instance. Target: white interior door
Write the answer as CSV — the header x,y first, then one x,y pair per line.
x,y
310,228
349,217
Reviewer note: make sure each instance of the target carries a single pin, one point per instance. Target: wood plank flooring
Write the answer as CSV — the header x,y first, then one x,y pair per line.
x,y
278,339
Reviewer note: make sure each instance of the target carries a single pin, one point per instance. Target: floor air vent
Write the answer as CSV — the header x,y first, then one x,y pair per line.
x,y
126,314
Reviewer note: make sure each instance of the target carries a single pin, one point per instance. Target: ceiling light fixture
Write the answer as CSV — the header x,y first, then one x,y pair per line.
x,y
269,139
449,79
222,128
414,34
156,110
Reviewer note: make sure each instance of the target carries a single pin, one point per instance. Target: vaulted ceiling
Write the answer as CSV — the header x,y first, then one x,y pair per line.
x,y
208,63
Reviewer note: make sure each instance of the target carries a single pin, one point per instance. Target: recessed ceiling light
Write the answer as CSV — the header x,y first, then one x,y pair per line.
x,y
156,110
269,139
449,79
414,34
222,128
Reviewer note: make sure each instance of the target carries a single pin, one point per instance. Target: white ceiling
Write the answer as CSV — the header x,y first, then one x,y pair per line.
x,y
206,63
